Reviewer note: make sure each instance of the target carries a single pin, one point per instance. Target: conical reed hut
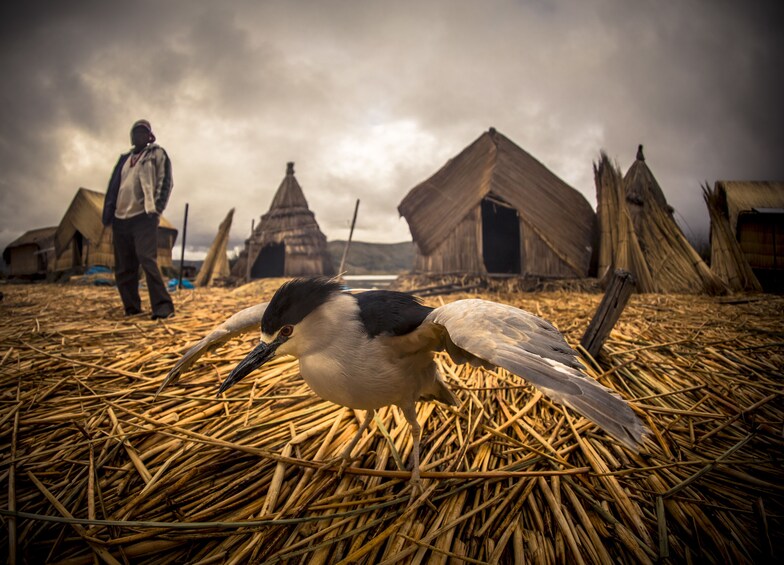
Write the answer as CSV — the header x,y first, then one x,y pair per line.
x,y
619,247
672,263
287,241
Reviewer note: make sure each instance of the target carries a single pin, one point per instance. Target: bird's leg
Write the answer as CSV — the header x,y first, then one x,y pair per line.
x,y
416,431
345,456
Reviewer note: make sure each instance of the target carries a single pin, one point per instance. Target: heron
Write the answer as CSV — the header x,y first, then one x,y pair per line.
x,y
376,348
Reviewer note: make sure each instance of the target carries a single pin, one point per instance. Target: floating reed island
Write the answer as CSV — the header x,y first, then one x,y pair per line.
x,y
95,470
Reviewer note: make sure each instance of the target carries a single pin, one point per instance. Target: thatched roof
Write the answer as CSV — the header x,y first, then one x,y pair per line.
x,y
546,205
289,194
289,216
216,263
289,221
641,185
84,216
746,196
41,237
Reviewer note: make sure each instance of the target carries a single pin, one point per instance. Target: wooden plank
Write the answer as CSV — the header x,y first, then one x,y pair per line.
x,y
610,309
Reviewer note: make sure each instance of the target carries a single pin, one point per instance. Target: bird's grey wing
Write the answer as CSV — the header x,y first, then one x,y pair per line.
x,y
535,350
241,322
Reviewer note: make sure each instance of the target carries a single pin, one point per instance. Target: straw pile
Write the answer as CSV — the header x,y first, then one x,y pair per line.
x,y
96,470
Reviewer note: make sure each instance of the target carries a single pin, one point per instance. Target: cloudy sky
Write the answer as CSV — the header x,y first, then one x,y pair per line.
x,y
370,98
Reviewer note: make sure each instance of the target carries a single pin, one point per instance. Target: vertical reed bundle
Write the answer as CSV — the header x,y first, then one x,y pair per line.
x,y
619,247
727,259
216,263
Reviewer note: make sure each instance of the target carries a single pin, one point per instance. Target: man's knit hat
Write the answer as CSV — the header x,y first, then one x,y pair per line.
x,y
146,125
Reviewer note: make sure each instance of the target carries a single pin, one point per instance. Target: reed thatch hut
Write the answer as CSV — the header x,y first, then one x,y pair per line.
x,y
29,255
671,262
754,212
81,240
495,209
287,241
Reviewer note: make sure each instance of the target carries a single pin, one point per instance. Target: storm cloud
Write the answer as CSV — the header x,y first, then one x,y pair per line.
x,y
370,98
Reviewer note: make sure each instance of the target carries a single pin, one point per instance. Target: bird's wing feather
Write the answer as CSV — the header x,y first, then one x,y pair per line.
x,y
240,323
534,349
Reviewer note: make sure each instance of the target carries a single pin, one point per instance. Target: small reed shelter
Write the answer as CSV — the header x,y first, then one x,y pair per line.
x,y
752,213
81,240
494,208
287,242
29,255
215,267
637,232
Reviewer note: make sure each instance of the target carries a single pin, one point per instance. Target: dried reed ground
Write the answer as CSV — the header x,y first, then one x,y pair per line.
x,y
83,442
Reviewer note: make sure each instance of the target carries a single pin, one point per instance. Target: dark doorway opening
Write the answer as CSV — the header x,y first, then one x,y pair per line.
x,y
761,239
78,250
500,237
270,261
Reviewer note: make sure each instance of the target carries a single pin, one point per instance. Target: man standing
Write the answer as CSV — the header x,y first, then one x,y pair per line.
x,y
137,195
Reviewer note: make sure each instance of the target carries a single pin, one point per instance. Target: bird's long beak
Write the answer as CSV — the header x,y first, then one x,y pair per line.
x,y
262,353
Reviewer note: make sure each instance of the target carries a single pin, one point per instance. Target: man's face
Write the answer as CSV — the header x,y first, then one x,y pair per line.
x,y
140,136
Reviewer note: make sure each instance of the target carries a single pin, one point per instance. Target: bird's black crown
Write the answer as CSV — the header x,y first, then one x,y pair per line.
x,y
296,299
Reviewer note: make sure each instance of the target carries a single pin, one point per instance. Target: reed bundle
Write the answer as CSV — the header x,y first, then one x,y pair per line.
x,y
215,267
96,470
638,233
619,247
727,259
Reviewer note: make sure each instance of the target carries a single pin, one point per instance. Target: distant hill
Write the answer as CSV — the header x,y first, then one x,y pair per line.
x,y
373,258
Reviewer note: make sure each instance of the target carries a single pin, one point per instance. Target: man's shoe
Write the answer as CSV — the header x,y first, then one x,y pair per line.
x,y
131,313
165,316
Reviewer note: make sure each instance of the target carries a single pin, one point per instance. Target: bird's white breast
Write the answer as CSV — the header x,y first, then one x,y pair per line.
x,y
343,365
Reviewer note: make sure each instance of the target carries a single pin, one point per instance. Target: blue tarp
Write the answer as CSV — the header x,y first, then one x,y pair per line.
x,y
172,284
97,270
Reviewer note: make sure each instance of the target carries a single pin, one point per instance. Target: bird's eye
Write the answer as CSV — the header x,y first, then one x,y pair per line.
x,y
286,331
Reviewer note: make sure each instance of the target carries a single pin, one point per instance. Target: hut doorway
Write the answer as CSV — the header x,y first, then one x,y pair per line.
x,y
500,237
761,239
78,250
270,261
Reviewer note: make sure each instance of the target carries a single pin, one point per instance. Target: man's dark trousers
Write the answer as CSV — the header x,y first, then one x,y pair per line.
x,y
136,243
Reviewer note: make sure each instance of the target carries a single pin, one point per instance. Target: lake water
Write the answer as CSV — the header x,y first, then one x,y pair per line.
x,y
369,281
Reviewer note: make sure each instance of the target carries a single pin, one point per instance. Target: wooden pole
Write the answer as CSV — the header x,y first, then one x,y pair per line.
x,y
348,243
182,254
608,312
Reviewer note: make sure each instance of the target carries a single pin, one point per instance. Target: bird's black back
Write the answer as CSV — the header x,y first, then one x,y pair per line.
x,y
296,299
387,312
